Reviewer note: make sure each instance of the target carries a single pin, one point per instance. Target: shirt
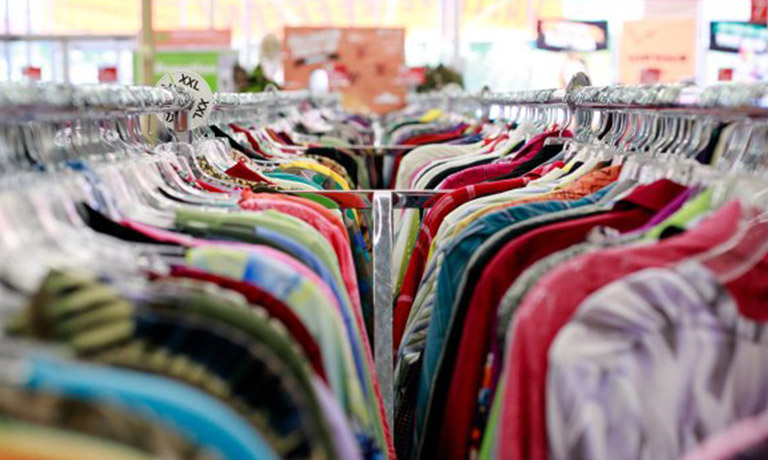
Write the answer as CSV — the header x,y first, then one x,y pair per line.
x,y
583,186
25,441
432,317
335,236
353,236
653,364
477,263
549,306
252,225
482,173
434,217
476,320
533,274
151,335
195,413
283,278
298,288
419,156
459,252
274,307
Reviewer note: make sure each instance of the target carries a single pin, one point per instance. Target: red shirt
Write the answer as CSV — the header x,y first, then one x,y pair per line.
x,y
436,138
430,226
242,171
273,306
501,167
498,275
252,140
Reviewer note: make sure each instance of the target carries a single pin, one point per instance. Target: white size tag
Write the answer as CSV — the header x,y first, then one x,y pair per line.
x,y
201,94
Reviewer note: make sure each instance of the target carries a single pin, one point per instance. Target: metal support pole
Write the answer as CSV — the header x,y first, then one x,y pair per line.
x,y
247,34
383,298
147,44
65,59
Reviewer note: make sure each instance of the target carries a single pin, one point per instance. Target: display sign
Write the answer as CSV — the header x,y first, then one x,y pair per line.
x,y
364,64
725,74
108,74
32,73
414,76
215,67
662,50
566,35
734,37
760,11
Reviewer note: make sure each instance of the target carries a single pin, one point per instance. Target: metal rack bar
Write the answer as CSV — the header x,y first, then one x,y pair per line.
x,y
383,241
52,100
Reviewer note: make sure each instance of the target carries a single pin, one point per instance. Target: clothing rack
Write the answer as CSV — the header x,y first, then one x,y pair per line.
x,y
720,100
45,101
726,100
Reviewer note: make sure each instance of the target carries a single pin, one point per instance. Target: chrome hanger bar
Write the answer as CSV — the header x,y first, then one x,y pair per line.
x,y
51,101
724,99
249,101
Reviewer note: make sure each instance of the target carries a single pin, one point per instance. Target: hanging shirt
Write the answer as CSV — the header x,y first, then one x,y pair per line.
x,y
194,412
653,364
423,340
298,287
476,309
338,239
549,306
24,441
481,173
273,306
284,279
429,227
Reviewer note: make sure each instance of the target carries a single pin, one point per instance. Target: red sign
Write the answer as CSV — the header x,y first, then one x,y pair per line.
x,y
650,76
414,76
108,74
760,11
725,74
364,64
197,39
32,73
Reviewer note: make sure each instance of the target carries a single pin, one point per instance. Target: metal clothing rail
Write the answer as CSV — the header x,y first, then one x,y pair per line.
x,y
249,101
49,100
721,98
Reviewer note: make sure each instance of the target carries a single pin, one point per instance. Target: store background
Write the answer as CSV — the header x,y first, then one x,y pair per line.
x,y
491,43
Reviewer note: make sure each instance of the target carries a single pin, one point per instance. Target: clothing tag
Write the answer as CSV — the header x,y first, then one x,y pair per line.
x,y
201,93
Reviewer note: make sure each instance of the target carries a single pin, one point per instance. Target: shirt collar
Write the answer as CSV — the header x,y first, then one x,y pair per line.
x,y
652,197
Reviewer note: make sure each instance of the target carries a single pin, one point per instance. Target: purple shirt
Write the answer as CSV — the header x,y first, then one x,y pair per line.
x,y
653,364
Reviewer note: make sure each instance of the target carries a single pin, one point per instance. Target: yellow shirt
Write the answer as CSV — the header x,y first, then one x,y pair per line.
x,y
320,169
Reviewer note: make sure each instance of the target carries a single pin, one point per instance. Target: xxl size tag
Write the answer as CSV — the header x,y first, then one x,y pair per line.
x,y
201,94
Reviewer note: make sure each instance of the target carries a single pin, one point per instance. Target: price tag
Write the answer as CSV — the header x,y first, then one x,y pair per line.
x,y
201,93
